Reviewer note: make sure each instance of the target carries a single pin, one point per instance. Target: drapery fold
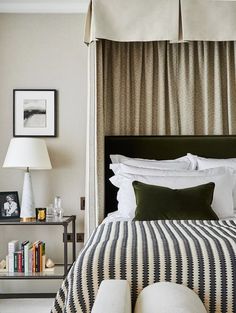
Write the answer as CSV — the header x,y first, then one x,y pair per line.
x,y
161,20
91,184
167,89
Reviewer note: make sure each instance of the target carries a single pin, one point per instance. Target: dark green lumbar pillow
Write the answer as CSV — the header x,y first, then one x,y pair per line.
x,y
162,203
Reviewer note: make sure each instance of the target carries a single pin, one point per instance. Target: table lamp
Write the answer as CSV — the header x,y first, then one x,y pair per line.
x,y
27,153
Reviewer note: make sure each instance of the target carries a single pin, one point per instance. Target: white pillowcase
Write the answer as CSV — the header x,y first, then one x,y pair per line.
x,y
204,163
121,168
222,201
183,163
209,163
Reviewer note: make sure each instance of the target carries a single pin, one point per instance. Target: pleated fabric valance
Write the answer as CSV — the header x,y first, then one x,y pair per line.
x,y
157,20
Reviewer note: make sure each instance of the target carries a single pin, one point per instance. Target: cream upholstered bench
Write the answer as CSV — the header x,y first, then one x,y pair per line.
x,y
165,297
113,297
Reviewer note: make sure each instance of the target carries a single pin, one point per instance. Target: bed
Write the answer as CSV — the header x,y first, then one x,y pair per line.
x,y
197,253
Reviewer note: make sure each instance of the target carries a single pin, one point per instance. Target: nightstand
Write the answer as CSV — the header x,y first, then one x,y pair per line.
x,y
60,270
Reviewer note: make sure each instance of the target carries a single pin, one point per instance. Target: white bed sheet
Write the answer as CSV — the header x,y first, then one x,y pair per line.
x,y
116,217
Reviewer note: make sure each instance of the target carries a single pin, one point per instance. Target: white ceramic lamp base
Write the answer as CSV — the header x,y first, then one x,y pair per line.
x,y
27,206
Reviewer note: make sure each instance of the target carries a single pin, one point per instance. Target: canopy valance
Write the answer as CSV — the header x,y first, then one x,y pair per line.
x,y
157,20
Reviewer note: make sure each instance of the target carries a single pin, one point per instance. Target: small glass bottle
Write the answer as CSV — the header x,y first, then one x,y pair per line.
x,y
50,211
58,211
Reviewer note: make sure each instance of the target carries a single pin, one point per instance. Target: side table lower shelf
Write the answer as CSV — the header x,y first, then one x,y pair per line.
x,y
57,273
27,295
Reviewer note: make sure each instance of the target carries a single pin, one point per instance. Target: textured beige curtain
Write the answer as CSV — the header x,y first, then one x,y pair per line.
x,y
158,88
91,192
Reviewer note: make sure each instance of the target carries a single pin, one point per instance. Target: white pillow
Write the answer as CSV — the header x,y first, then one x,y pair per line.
x,y
222,202
205,163
183,163
121,168
127,171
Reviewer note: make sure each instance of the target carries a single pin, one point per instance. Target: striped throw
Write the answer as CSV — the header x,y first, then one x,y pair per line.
x,y
199,254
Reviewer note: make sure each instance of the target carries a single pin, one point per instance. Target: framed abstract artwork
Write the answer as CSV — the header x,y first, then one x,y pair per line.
x,y
34,113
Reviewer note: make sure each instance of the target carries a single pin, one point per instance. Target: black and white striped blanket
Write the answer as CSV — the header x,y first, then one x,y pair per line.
x,y
198,254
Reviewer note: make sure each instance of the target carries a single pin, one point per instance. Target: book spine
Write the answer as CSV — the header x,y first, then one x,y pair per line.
x,y
30,263
12,247
26,258
40,257
25,243
23,259
11,262
19,260
43,257
33,258
43,262
36,258
30,260
15,262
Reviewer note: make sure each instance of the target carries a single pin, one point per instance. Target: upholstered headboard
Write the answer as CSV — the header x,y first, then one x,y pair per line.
x,y
162,147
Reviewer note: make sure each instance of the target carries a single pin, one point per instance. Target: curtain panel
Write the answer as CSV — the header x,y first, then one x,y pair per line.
x,y
158,88
91,191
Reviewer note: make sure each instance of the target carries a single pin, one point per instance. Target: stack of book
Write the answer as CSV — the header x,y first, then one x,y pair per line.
x,y
26,257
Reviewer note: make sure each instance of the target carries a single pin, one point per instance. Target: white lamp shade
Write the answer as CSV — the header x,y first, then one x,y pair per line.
x,y
27,152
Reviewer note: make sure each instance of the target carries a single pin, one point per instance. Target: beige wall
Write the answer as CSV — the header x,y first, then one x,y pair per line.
x,y
45,51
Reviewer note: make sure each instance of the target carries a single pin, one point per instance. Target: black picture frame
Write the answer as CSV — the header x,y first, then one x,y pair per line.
x,y
35,97
9,209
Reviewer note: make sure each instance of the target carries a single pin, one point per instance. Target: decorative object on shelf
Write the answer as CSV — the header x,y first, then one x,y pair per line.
x,y
29,153
41,214
49,211
58,210
34,113
3,264
9,205
49,270
50,263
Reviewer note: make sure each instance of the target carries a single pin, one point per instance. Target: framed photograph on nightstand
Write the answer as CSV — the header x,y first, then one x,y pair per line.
x,y
9,205
34,113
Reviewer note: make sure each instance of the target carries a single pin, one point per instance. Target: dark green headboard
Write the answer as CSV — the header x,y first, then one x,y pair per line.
x,y
162,147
